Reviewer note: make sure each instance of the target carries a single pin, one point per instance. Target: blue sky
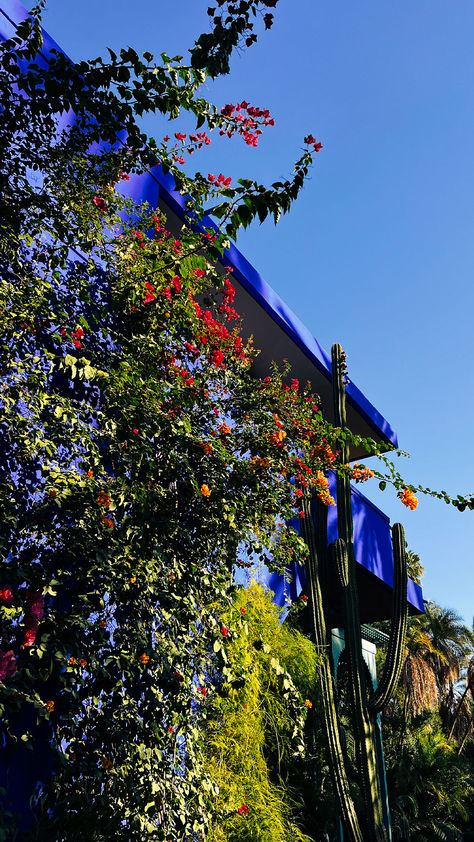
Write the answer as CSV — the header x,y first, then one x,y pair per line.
x,y
378,253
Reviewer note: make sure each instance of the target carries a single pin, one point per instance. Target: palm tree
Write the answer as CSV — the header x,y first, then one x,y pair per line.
x,y
459,709
437,646
452,642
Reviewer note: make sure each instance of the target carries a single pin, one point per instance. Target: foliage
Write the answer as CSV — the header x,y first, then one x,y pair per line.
x,y
255,728
415,567
430,786
425,727
139,455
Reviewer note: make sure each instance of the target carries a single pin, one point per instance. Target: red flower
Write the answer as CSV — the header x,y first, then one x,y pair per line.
x,y
217,358
176,282
100,203
211,177
166,293
243,611
31,627
178,675
224,631
135,431
243,809
6,596
7,664
35,604
201,690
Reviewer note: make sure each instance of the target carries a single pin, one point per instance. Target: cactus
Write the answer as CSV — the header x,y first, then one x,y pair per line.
x,y
367,821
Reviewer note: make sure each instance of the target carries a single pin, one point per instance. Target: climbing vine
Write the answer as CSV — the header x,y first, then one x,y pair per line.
x,y
140,457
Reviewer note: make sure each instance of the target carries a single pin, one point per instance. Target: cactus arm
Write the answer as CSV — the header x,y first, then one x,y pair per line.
x,y
348,814
344,507
396,644
363,722
364,731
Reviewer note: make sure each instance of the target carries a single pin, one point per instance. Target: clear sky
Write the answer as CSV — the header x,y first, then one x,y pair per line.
x,y
378,253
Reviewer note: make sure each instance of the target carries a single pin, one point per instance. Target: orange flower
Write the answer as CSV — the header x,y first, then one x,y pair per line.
x,y
206,446
144,658
360,474
50,706
107,521
224,429
259,462
103,499
321,479
52,493
408,499
106,763
278,437
205,490
133,579
71,661
90,473
324,452
308,704
326,498
103,624
82,662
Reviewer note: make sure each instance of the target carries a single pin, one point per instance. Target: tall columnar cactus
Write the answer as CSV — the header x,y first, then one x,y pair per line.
x,y
366,822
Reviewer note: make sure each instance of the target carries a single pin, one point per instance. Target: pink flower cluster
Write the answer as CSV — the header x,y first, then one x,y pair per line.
x,y
150,294
76,337
7,665
195,141
100,204
35,612
215,334
6,596
311,141
228,294
220,180
247,126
